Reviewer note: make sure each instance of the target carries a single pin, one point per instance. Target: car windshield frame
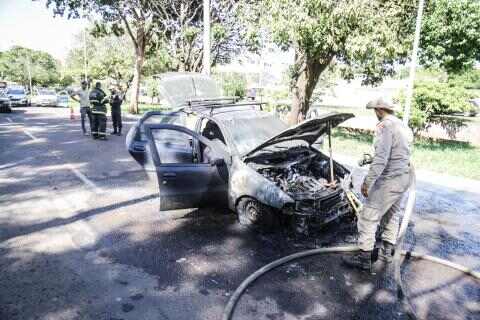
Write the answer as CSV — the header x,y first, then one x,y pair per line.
x,y
246,133
16,91
46,92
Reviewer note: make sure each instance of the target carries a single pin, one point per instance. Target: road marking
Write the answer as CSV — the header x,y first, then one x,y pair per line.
x,y
75,171
85,180
30,135
9,120
13,164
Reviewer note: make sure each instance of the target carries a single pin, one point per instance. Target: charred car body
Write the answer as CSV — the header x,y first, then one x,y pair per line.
x,y
217,151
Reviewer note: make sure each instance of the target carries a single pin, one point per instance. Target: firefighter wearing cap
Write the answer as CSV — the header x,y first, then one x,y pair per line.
x,y
116,99
384,186
98,101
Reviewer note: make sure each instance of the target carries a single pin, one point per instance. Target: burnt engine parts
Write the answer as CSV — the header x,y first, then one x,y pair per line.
x,y
304,175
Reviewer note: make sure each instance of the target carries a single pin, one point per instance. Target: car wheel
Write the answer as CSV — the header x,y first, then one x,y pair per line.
x,y
252,213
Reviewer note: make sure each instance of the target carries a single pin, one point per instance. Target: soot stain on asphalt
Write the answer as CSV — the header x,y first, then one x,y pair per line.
x,y
127,307
136,297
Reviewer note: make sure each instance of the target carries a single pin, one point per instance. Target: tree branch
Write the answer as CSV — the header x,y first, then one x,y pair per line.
x,y
129,30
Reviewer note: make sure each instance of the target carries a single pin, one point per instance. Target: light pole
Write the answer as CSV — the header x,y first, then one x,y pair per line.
x,y
85,54
413,64
206,37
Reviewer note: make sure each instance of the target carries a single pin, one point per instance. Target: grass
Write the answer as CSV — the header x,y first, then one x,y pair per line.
x,y
451,158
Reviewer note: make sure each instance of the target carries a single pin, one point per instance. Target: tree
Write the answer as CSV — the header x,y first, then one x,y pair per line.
x,y
18,64
111,57
108,57
365,37
450,35
135,18
181,31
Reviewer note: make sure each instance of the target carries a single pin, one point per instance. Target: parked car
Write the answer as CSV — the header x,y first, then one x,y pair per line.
x,y
62,99
5,104
44,97
18,96
217,151
476,107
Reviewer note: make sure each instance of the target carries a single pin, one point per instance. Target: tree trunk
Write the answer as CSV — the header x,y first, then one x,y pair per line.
x,y
137,74
303,83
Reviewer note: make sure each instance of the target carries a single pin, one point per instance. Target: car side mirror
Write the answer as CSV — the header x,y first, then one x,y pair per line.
x,y
217,162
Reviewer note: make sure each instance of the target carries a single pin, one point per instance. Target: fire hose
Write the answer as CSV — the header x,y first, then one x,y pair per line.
x,y
401,291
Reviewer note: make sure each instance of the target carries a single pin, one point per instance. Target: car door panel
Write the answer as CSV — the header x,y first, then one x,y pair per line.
x,y
183,183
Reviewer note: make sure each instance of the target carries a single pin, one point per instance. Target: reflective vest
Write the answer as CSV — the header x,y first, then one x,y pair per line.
x,y
98,100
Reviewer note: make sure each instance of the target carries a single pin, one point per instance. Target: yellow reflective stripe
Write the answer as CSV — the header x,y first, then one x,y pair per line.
x,y
99,112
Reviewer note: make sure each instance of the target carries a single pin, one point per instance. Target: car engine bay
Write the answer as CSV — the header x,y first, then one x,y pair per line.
x,y
304,175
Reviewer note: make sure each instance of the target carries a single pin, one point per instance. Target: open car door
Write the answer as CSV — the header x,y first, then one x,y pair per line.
x,y
185,178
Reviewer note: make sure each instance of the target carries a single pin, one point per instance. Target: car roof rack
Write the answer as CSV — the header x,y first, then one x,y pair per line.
x,y
212,107
208,101
220,102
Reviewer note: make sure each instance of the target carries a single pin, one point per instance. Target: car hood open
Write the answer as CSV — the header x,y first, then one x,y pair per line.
x,y
178,88
308,131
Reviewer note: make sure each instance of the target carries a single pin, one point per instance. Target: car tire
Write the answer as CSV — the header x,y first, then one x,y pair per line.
x,y
252,213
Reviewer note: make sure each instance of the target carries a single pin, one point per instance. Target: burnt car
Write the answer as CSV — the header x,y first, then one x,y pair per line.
x,y
213,150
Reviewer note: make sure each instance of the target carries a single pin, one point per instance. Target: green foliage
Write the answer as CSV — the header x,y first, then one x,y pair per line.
x,y
234,84
152,87
367,37
468,80
109,57
450,34
431,99
16,63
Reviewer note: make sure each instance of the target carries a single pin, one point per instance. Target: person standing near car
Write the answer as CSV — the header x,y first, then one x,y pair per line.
x,y
98,100
384,187
116,99
81,96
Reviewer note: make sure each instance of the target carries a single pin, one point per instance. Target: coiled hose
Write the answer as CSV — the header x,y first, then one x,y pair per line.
x,y
401,291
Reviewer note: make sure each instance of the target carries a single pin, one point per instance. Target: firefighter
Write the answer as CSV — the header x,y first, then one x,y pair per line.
x,y
384,187
116,99
98,101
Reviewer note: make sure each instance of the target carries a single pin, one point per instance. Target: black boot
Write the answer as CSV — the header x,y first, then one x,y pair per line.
x,y
119,131
360,260
386,252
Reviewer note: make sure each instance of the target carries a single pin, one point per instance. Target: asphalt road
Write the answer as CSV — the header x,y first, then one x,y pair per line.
x,y
81,237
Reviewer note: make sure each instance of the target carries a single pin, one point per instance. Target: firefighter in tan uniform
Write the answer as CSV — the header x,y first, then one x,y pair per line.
x,y
384,186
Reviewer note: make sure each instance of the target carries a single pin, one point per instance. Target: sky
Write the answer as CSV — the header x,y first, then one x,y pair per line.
x,y
30,24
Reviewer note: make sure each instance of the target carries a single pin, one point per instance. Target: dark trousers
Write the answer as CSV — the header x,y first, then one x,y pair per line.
x,y
99,125
117,119
84,113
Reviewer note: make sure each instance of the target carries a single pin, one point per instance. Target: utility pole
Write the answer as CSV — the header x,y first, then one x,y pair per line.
x,y
206,37
29,71
85,54
413,63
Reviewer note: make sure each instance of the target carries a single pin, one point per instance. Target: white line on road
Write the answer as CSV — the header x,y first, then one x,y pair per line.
x,y
30,135
9,120
79,175
13,164
85,180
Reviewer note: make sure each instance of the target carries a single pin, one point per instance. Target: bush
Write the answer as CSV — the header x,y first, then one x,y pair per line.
x,y
234,84
431,99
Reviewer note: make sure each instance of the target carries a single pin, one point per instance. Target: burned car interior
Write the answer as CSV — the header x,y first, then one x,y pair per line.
x,y
216,150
